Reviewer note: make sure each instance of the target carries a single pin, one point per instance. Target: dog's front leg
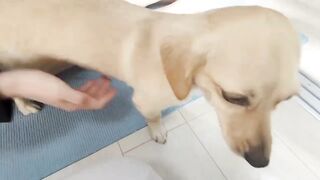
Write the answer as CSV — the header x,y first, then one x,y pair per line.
x,y
157,130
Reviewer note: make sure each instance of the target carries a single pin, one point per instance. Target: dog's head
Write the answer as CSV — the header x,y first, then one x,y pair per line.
x,y
245,70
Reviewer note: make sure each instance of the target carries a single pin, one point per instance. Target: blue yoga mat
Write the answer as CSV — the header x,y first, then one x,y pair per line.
x,y
35,146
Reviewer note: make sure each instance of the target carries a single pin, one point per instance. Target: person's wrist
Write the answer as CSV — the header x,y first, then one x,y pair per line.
x,y
7,82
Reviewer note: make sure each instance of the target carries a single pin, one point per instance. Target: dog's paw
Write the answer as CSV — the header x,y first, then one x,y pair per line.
x,y
157,132
27,107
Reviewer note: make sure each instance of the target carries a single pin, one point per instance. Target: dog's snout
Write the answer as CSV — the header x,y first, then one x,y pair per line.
x,y
256,157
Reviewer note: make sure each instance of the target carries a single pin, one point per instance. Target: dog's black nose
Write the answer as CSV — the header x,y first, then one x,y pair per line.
x,y
256,157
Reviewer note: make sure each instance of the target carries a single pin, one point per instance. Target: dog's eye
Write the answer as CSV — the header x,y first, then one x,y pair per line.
x,y
236,99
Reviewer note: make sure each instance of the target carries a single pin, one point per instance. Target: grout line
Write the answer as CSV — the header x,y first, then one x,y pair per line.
x,y
176,127
184,118
295,154
203,146
150,139
184,122
138,146
193,117
179,110
179,125
122,153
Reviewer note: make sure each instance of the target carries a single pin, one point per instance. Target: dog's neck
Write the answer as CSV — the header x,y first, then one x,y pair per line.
x,y
179,33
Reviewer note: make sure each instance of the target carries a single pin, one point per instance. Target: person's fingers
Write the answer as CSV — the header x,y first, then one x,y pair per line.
x,y
73,96
106,78
100,102
94,94
106,98
104,88
87,85
87,102
93,88
65,105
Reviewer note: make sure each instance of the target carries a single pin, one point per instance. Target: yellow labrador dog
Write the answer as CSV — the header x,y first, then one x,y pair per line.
x,y
245,59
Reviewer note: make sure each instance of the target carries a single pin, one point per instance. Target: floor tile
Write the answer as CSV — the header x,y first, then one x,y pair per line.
x,y
300,131
170,121
195,108
181,158
94,159
135,139
173,120
283,165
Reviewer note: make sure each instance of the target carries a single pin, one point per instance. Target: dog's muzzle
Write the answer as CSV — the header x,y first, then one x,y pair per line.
x,y
256,157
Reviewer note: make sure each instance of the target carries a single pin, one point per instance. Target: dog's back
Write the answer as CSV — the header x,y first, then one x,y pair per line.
x,y
24,23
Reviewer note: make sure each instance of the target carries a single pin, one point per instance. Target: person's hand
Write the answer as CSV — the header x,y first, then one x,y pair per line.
x,y
96,93
49,89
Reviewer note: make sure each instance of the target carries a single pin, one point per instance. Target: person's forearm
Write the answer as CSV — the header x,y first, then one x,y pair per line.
x,y
49,89
6,84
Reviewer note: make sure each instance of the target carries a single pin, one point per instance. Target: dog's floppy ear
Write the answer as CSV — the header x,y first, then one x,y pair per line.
x,y
180,68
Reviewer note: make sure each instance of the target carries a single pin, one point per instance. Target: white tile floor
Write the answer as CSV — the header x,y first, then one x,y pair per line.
x,y
196,150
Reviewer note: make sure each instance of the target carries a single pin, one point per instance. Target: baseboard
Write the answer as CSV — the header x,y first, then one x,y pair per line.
x,y
310,94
